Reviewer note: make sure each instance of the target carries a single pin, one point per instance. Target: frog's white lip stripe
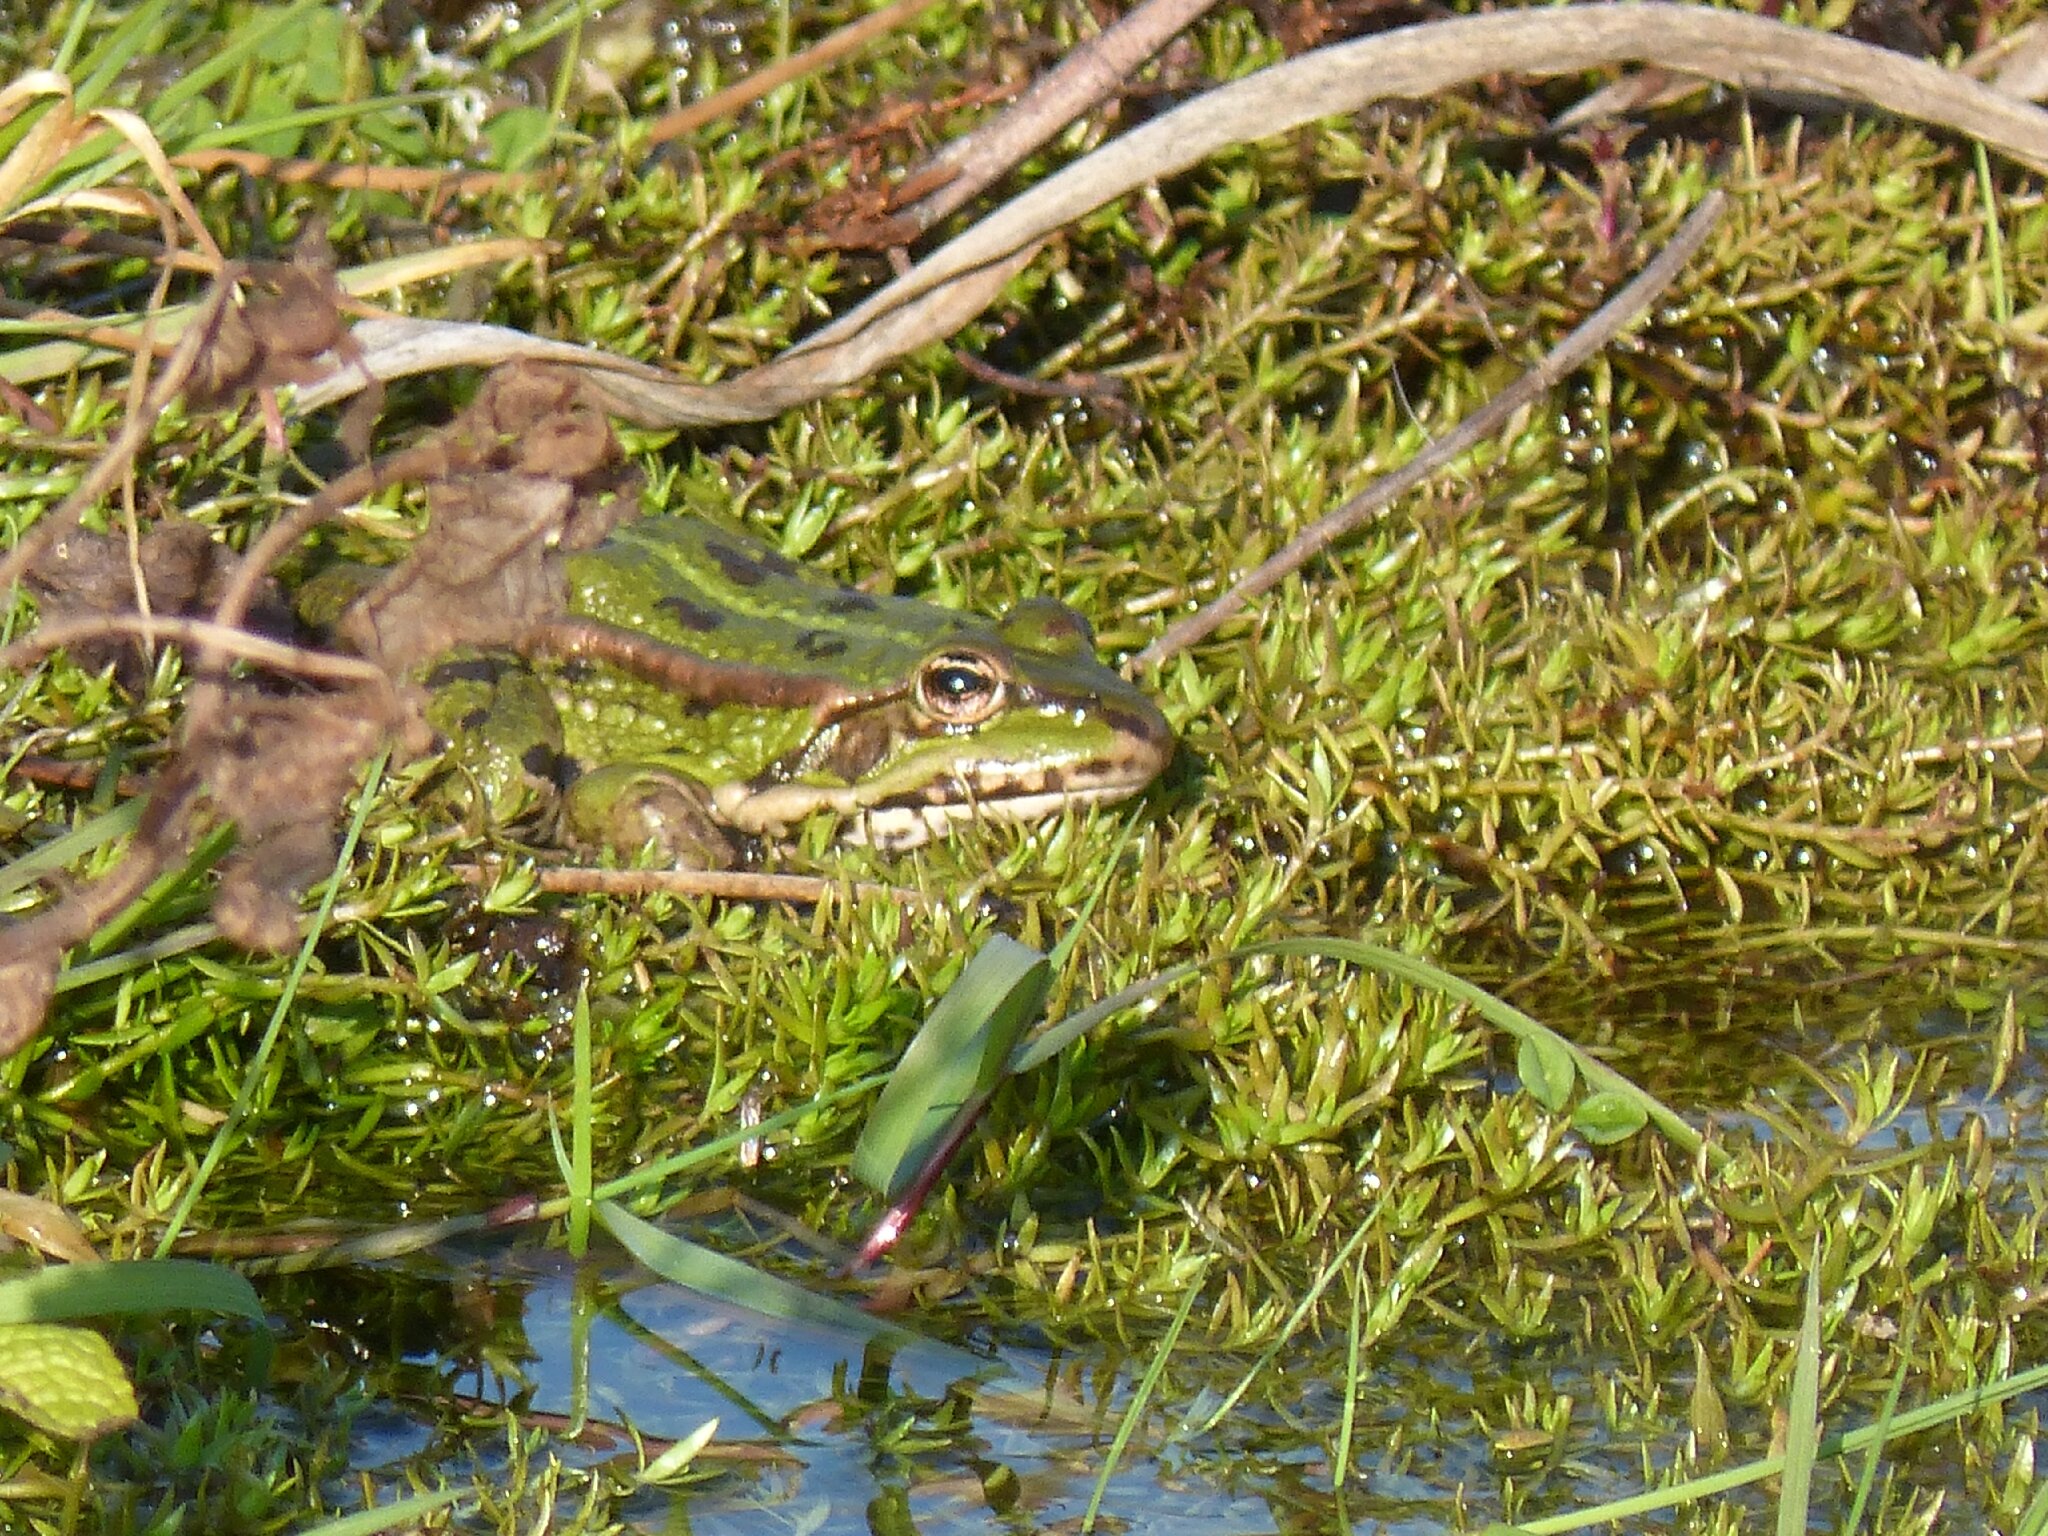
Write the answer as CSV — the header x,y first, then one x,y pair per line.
x,y
773,810
898,827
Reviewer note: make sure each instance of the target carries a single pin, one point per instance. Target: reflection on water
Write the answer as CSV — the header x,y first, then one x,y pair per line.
x,y
816,1433
1474,1407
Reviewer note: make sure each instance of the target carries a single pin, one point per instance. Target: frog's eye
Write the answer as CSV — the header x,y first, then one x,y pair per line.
x,y
960,688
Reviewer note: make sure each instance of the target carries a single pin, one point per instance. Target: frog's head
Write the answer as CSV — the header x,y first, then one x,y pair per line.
x,y
1008,722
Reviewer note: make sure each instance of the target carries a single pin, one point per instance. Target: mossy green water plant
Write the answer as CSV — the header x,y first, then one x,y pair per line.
x,y
1698,718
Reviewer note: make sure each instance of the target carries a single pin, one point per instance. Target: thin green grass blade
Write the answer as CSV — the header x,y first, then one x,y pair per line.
x,y
1867,1479
126,962
1288,1329
161,894
229,134
1615,1100
93,165
682,1262
1802,1415
128,1288
650,1177
62,852
962,1052
1112,865
74,34
1504,1016
1994,239
581,1112
1947,1410
1348,1421
242,45
116,51
1134,1411
1046,1043
2034,1521
253,1077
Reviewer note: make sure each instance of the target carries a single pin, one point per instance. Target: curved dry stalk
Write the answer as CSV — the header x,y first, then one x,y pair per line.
x,y
224,641
962,277
1585,342
43,148
82,339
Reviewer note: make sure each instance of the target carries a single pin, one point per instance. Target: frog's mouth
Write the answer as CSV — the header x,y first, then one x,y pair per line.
x,y
891,818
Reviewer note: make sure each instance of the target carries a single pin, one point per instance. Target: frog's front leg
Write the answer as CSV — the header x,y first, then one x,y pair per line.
x,y
630,806
504,734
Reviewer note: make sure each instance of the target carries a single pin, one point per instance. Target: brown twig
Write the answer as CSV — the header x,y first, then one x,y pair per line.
x,y
1601,327
354,178
744,92
1086,77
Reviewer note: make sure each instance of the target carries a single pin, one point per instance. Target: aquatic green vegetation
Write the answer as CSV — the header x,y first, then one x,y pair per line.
x,y
1698,718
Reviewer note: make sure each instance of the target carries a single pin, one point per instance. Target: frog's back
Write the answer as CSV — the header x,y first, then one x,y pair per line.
x,y
707,588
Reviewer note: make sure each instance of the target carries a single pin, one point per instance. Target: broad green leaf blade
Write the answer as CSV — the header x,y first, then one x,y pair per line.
x,y
1546,1071
1606,1117
959,1054
129,1288
66,1381
685,1263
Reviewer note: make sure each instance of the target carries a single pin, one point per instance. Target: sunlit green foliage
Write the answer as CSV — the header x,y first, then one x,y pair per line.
x,y
1700,717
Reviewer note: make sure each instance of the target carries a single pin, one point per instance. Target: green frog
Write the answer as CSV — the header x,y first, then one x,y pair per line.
x,y
699,684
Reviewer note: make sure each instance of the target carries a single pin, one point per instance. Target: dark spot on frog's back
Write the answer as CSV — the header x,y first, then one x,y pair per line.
x,y
847,602
467,669
691,616
819,645
547,765
739,567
